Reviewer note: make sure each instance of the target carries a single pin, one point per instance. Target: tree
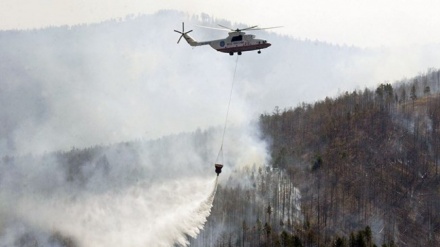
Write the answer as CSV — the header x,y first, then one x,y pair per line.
x,y
244,228
317,164
385,94
427,90
352,240
360,239
340,242
285,239
297,242
368,236
259,230
403,96
269,212
267,231
413,94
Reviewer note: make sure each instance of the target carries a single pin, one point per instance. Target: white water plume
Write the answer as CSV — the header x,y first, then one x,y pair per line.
x,y
155,193
157,215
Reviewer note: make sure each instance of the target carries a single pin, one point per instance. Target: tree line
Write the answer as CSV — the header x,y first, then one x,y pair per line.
x,y
364,165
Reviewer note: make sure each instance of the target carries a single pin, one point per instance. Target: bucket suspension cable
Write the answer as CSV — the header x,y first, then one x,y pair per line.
x,y
219,164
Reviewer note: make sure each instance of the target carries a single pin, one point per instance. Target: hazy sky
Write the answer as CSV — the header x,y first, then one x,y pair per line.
x,y
127,78
360,23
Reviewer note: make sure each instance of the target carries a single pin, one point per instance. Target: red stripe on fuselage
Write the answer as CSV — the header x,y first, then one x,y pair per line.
x,y
244,48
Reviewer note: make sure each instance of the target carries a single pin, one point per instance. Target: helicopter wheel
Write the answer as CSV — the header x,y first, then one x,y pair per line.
x,y
259,52
231,53
239,53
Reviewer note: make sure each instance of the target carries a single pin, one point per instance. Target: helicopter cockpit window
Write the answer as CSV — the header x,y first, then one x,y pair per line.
x,y
237,38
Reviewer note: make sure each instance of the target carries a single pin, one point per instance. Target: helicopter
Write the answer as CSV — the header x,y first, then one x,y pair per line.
x,y
236,42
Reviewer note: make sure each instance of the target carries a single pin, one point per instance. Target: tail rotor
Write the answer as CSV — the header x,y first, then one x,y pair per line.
x,y
183,33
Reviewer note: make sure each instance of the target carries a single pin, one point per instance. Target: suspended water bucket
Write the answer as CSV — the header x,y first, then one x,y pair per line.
x,y
218,168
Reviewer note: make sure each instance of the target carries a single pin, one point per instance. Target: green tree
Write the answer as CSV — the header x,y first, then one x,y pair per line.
x,y
368,236
360,239
317,164
413,94
285,239
244,228
267,231
297,241
427,90
340,242
269,212
403,96
352,240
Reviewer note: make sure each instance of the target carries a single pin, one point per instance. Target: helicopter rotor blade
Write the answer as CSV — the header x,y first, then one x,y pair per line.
x,y
215,28
264,28
226,27
183,33
238,29
179,39
248,28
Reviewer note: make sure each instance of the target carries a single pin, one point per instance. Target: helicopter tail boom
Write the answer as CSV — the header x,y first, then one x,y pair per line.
x,y
193,42
189,39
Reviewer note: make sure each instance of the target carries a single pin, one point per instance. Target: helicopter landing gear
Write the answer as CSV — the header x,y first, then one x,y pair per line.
x,y
259,52
231,53
239,53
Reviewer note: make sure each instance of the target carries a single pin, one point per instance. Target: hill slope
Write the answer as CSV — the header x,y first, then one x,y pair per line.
x,y
366,158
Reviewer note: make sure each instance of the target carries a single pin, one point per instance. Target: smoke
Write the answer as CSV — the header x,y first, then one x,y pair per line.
x,y
130,80
110,88
388,64
127,81
154,193
101,84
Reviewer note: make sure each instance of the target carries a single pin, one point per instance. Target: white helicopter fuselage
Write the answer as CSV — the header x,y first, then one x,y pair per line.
x,y
236,42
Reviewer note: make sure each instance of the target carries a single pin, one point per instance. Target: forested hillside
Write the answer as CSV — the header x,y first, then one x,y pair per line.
x,y
365,165
357,170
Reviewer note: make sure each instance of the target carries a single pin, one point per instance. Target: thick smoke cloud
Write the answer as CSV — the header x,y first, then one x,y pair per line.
x,y
154,193
122,80
127,81
100,84
72,88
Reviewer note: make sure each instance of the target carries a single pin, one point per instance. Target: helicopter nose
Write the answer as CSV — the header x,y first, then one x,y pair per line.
x,y
267,44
